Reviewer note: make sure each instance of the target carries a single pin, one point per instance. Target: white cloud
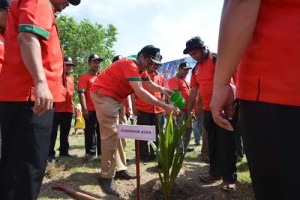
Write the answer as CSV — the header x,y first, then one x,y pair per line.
x,y
164,23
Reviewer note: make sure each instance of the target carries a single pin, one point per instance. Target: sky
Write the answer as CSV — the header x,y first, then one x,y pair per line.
x,y
166,24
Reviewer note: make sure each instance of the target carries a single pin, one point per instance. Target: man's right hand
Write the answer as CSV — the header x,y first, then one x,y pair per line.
x,y
43,98
222,105
85,114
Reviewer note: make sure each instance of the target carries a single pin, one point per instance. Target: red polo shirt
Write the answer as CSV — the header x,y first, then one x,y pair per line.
x,y
68,105
178,83
114,80
149,108
35,17
85,82
202,77
269,71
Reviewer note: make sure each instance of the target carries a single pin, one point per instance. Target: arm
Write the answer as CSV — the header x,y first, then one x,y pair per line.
x,y
156,88
82,101
134,110
192,99
32,58
145,96
237,24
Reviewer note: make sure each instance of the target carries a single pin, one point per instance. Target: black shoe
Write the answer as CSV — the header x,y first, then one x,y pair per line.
x,y
51,158
108,186
189,149
124,174
66,155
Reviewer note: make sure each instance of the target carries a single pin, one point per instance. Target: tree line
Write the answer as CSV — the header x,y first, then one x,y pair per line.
x,y
80,39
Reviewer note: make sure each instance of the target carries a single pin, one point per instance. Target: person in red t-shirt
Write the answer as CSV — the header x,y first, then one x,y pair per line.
x,y
31,80
3,19
115,83
260,39
91,132
221,143
148,114
178,83
63,115
125,100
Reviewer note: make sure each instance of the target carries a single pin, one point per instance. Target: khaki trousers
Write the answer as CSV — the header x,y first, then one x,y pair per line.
x,y
110,112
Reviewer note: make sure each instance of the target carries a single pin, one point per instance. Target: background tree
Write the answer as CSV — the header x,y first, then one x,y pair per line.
x,y
80,39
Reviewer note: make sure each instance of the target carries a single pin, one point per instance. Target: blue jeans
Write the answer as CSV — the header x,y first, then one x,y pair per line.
x,y
197,128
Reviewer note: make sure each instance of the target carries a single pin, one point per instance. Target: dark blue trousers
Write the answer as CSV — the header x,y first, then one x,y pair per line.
x,y
271,139
63,121
92,139
145,118
222,150
25,146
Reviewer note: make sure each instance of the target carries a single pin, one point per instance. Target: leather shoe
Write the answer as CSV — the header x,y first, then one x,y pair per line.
x,y
108,186
209,179
66,155
124,174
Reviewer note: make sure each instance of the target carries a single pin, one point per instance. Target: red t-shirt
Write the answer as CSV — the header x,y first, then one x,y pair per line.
x,y
37,17
68,105
114,80
202,77
179,84
85,82
1,50
146,107
269,71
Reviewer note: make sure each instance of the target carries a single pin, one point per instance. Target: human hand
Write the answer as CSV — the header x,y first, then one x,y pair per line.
x,y
43,98
170,107
222,105
166,91
85,114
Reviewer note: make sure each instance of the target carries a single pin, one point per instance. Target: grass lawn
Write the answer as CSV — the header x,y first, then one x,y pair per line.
x,y
81,175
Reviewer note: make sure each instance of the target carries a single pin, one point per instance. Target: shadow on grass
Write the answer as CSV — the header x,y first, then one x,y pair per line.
x,y
74,181
80,182
76,147
73,162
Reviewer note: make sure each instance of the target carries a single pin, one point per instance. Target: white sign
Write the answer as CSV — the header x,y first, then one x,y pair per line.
x,y
138,132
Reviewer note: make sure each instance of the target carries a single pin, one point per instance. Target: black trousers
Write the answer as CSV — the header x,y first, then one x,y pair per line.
x,y
222,150
92,139
63,120
271,140
145,118
25,147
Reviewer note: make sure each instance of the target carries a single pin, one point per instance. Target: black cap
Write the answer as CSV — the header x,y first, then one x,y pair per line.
x,y
95,57
116,58
192,44
68,61
184,65
153,53
74,2
4,4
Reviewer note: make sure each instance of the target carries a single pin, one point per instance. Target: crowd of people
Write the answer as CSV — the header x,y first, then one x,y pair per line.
x,y
246,96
